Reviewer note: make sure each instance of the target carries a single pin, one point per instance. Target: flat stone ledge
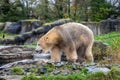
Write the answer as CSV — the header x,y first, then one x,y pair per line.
x,y
14,53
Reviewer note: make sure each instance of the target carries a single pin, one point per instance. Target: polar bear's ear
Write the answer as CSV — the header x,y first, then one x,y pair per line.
x,y
46,38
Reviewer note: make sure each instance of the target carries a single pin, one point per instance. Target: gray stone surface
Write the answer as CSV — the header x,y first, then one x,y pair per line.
x,y
95,69
14,77
2,26
14,27
14,53
42,67
1,47
41,56
7,24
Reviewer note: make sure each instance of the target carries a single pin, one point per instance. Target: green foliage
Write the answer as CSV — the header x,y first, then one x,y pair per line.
x,y
113,39
50,10
97,76
12,11
6,35
100,10
114,73
83,75
17,71
30,77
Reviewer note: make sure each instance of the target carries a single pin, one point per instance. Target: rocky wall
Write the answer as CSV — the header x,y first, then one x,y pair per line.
x,y
31,31
22,26
34,34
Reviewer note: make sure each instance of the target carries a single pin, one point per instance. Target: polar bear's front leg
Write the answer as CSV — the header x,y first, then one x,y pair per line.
x,y
56,54
71,55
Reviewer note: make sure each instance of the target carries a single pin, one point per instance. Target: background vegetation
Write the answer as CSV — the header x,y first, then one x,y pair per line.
x,y
50,10
113,39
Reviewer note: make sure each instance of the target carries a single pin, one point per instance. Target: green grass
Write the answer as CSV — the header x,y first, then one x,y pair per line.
x,y
17,71
7,35
113,39
83,75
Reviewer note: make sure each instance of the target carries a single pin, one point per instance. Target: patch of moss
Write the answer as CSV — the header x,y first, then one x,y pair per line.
x,y
39,28
4,35
17,71
47,23
111,38
33,70
31,20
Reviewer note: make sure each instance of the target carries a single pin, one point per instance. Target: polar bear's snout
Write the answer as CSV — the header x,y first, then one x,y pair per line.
x,y
38,49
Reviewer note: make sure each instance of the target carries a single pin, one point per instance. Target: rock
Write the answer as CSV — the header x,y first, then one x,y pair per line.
x,y
13,77
16,50
41,56
75,67
22,26
110,25
6,70
65,74
1,72
6,41
42,70
101,50
7,24
14,28
50,62
14,53
2,78
2,26
108,66
56,72
58,64
27,69
36,24
30,25
12,64
37,66
95,69
5,52
19,40
30,32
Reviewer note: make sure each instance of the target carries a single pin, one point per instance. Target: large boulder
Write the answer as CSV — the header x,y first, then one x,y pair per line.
x,y
14,28
2,26
22,26
110,25
31,34
14,53
30,25
101,50
7,24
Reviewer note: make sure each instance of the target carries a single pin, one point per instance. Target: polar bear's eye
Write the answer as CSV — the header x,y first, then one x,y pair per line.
x,y
46,38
